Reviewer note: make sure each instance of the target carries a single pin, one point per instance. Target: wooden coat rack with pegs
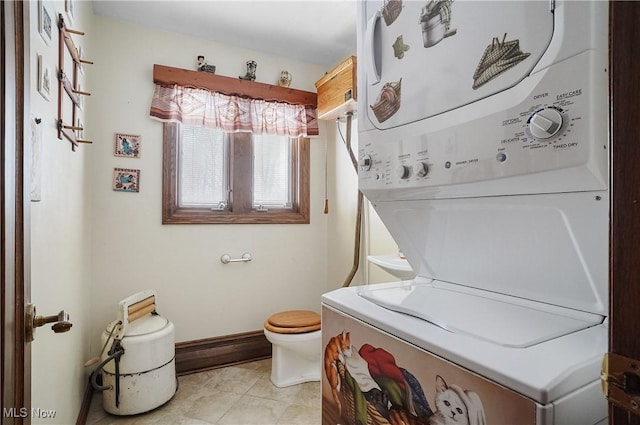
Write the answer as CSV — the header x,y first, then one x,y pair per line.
x,y
69,87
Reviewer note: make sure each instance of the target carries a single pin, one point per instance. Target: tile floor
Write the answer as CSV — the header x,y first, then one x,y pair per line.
x,y
234,395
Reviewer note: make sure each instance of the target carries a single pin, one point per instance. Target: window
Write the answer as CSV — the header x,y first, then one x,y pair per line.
x,y
272,172
202,168
215,177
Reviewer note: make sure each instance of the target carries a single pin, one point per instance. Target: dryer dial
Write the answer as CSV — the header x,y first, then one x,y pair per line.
x,y
403,172
545,123
422,169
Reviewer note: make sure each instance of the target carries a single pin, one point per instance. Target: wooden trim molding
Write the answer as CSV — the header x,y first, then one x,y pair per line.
x,y
204,354
172,213
15,290
167,75
624,89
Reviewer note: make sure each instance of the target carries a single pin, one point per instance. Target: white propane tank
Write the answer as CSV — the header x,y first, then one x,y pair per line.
x,y
143,377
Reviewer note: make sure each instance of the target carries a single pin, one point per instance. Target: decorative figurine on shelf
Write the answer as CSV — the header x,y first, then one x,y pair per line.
x,y
204,67
285,79
251,71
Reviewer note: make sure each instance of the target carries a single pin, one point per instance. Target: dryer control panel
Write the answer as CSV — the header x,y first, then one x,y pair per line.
x,y
554,127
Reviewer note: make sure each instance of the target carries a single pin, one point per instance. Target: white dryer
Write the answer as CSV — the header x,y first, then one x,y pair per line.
x,y
483,147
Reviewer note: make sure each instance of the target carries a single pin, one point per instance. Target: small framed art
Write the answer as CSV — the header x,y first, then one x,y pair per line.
x,y
127,145
126,180
44,22
44,78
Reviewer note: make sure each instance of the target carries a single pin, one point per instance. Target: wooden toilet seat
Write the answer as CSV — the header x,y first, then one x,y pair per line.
x,y
293,322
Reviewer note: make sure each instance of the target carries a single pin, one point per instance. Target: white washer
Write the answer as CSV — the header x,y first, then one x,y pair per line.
x,y
486,155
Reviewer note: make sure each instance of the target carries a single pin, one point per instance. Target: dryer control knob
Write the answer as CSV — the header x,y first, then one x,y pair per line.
x,y
545,123
422,169
404,172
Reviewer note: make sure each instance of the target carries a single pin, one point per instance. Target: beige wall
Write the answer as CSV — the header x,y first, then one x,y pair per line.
x,y
93,246
61,229
380,242
343,195
132,250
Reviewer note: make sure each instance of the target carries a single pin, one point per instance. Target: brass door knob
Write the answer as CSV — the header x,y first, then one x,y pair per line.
x,y
60,322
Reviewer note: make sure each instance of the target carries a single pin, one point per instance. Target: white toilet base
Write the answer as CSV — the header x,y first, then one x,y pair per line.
x,y
295,362
289,368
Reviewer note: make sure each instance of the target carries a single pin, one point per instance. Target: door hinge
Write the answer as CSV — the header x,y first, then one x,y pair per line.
x,y
620,378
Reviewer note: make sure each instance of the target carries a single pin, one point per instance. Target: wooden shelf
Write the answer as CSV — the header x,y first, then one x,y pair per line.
x,y
166,76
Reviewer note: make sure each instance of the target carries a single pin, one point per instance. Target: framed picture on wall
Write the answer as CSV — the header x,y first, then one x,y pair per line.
x,y
126,180
127,145
44,78
44,22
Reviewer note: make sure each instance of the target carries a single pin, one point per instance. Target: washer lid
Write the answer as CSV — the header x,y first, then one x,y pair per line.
x,y
499,319
550,249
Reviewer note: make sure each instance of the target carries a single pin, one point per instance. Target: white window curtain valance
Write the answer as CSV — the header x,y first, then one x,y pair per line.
x,y
204,108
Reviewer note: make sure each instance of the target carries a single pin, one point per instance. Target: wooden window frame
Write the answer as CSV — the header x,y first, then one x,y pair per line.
x,y
241,181
172,213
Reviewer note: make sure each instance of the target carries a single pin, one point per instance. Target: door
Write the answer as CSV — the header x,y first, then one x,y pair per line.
x,y
15,376
624,337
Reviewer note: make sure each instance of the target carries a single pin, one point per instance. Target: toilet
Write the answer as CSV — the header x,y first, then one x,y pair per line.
x,y
296,347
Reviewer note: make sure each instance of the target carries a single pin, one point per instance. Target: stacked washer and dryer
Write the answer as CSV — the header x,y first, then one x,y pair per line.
x,y
483,147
